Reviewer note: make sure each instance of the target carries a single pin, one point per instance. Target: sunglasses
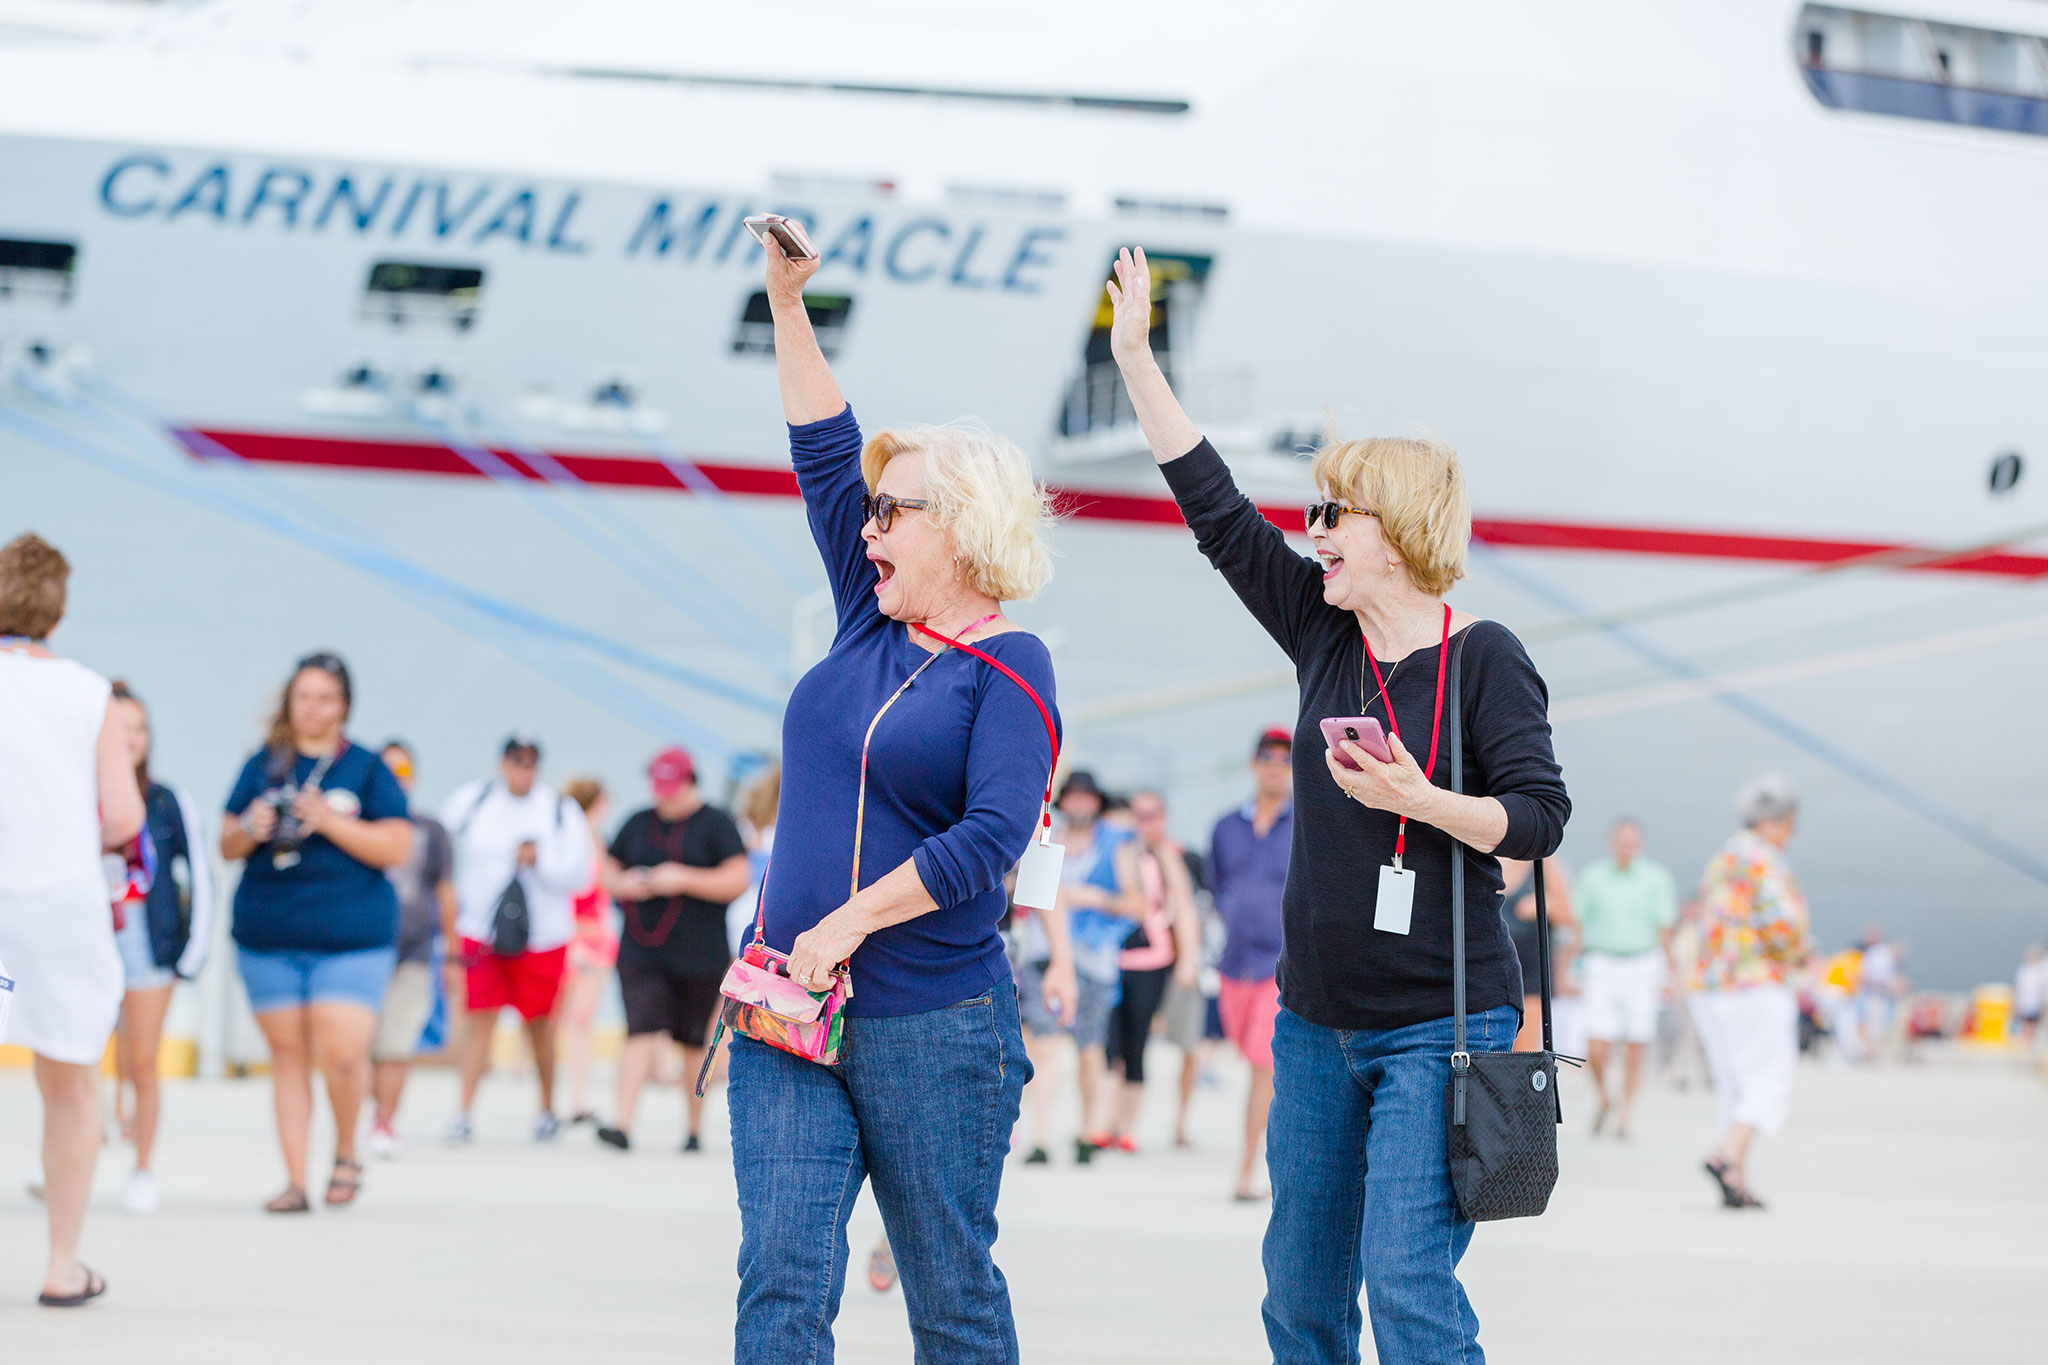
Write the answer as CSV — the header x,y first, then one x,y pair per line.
x,y
1328,512
882,510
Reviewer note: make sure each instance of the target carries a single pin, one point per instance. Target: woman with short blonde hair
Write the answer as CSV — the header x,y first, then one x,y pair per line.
x,y
1362,1050
914,772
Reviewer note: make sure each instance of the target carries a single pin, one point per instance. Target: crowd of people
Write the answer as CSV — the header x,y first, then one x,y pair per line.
x,y
938,991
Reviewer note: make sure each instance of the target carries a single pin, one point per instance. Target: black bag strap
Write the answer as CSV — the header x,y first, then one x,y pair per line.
x,y
1461,1058
1543,949
477,805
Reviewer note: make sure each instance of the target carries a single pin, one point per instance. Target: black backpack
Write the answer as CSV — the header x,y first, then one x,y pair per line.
x,y
511,926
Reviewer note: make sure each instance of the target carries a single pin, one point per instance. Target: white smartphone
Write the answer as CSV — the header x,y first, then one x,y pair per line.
x,y
788,233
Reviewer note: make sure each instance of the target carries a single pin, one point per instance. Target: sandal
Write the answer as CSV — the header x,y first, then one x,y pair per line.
x,y
882,1268
344,1184
1731,1196
95,1285
293,1200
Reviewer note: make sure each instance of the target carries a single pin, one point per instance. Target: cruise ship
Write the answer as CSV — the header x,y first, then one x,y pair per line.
x,y
429,332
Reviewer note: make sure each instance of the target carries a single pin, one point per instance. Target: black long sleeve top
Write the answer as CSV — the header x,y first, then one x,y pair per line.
x,y
1336,970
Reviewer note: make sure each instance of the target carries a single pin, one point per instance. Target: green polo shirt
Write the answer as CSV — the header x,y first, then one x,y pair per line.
x,y
1624,913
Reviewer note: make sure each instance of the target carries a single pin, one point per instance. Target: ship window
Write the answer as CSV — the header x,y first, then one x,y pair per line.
x,y
413,297
37,270
756,332
1913,68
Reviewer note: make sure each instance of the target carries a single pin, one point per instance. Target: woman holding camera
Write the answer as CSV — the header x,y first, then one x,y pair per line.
x,y
916,770
319,819
1362,1049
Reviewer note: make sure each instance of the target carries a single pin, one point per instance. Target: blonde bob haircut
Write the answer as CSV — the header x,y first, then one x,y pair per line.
x,y
983,496
1418,490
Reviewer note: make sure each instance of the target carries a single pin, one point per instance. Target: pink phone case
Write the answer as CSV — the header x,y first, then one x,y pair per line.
x,y
1363,731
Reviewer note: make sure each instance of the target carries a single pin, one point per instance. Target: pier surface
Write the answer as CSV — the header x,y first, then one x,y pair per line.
x,y
1908,1222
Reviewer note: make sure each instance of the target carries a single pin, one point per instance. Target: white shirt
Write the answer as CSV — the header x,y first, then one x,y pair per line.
x,y
2030,988
488,824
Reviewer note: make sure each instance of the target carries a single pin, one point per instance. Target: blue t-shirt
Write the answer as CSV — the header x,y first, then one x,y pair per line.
x,y
327,902
956,770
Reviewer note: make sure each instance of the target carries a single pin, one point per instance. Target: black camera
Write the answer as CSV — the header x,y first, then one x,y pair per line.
x,y
289,837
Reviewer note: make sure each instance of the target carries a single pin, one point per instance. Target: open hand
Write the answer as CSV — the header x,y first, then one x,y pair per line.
x,y
786,278
1130,298
1398,787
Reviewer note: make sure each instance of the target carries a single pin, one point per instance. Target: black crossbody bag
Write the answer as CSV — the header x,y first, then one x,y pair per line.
x,y
1503,1106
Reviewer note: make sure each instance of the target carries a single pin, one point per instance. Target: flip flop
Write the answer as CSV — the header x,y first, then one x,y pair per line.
x,y
95,1285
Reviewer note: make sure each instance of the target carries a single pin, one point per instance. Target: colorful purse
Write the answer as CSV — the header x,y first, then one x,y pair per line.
x,y
758,998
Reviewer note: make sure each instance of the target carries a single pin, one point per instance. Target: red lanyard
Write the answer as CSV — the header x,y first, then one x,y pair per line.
x,y
1051,731
1436,727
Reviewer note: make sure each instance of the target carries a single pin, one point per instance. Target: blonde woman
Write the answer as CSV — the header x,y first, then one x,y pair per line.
x,y
67,793
925,533
1355,1142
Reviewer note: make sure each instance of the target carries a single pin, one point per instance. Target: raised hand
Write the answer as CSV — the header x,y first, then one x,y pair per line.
x,y
786,278
1130,297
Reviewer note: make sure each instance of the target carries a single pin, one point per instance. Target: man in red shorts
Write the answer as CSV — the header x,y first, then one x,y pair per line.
x,y
522,852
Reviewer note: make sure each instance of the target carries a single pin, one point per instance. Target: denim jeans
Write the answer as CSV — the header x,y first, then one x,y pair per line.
x,y
923,1105
1362,1193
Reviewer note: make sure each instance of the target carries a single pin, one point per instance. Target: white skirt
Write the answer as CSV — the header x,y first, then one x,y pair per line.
x,y
68,982
1751,1038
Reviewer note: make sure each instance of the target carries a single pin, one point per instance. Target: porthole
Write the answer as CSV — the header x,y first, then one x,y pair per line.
x,y
2005,472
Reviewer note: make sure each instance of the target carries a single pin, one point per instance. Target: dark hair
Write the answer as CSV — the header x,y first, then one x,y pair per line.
x,y
391,744
279,739
123,692
33,577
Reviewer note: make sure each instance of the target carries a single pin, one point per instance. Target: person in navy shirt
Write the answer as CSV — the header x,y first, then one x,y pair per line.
x,y
915,772
316,919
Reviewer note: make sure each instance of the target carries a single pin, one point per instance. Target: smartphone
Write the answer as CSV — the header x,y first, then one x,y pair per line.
x,y
788,234
1363,731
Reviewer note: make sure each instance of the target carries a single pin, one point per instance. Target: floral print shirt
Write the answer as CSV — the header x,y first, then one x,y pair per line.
x,y
1753,925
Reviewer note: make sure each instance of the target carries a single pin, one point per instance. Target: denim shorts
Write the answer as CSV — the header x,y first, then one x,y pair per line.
x,y
138,960
1091,1011
289,981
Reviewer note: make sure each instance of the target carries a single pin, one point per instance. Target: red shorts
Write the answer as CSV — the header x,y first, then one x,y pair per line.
x,y
528,983
1249,1010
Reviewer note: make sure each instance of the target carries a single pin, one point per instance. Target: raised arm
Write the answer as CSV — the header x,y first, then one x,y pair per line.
x,y
1167,428
1278,585
809,392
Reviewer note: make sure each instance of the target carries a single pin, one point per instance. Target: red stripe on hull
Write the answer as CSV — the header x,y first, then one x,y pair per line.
x,y
619,471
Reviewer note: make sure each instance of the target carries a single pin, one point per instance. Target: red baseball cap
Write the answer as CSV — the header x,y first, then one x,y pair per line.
x,y
1275,738
670,771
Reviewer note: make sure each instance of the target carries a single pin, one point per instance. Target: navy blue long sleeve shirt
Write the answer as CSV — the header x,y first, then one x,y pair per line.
x,y
1336,970
956,768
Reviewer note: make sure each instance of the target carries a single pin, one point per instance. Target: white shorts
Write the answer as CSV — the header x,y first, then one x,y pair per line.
x,y
1751,1038
1621,996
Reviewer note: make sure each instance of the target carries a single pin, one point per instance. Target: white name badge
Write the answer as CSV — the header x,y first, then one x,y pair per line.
x,y
1038,875
1397,900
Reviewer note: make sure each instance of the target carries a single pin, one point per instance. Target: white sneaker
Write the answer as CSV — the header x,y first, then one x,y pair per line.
x,y
459,1133
384,1144
34,1184
546,1128
140,1196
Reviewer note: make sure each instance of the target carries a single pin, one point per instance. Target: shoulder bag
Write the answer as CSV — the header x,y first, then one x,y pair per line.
x,y
1503,1106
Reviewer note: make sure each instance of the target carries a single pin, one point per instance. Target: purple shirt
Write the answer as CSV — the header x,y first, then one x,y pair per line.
x,y
1248,876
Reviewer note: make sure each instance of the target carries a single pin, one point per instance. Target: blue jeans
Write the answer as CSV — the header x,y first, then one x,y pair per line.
x,y
1362,1193
921,1103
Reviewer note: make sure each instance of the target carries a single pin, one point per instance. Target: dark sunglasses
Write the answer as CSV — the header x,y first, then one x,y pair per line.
x,y
1328,512
882,510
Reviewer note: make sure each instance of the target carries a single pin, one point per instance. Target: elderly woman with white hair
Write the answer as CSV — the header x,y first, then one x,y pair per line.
x,y
912,780
1362,1048
1753,937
